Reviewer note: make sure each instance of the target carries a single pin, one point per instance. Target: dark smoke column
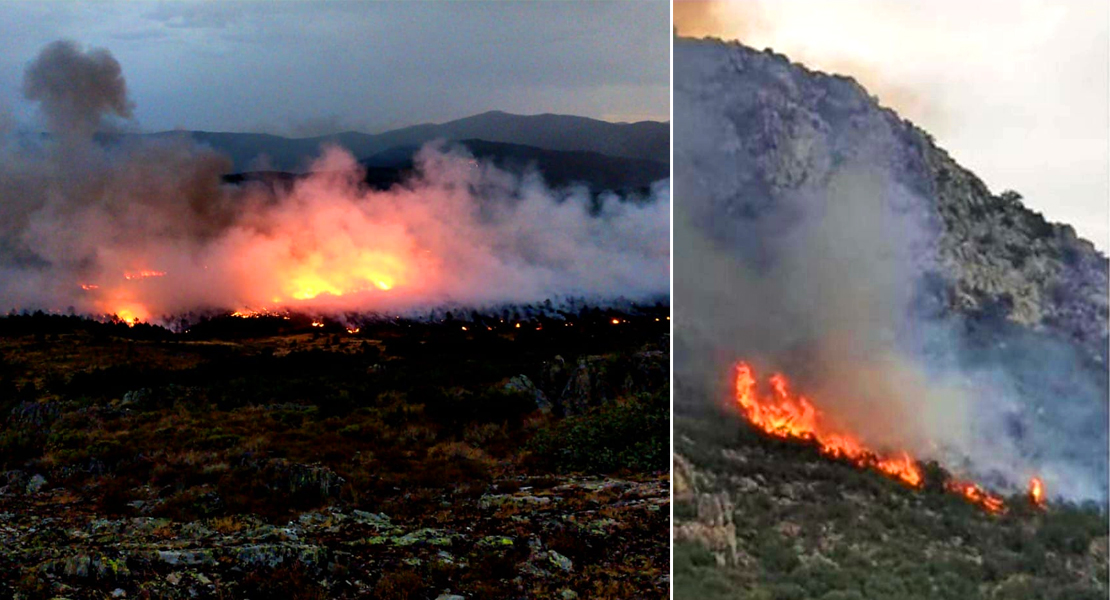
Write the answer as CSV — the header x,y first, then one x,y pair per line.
x,y
76,88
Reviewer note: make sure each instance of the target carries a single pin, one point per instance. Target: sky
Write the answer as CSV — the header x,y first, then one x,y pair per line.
x,y
1015,90
311,68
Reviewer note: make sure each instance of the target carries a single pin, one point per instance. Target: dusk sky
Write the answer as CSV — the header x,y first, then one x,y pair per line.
x,y
310,68
1015,90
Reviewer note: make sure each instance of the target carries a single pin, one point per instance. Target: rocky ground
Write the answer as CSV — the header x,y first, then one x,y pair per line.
x,y
528,538
408,460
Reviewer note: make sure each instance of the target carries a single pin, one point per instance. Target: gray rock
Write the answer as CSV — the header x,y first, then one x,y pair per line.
x,y
200,556
37,483
559,561
521,384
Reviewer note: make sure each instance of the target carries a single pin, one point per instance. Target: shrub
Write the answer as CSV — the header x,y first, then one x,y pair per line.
x,y
627,434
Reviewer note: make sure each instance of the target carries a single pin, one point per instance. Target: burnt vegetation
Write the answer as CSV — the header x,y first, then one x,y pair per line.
x,y
494,455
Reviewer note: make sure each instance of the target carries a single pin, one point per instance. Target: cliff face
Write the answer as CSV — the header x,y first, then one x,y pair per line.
x,y
775,128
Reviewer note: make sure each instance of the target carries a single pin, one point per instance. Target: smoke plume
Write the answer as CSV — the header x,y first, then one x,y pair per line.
x,y
146,229
76,89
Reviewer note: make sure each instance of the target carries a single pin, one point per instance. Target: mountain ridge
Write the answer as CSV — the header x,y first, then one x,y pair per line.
x,y
641,140
986,239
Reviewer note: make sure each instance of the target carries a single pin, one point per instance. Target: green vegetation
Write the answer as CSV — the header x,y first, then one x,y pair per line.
x,y
632,434
809,527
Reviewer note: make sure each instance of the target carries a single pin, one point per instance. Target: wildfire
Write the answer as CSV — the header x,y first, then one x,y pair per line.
x,y
143,274
250,313
131,314
786,415
1036,492
977,495
360,271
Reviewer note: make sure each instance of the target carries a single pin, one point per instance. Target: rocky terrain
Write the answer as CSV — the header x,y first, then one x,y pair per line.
x,y
498,456
771,519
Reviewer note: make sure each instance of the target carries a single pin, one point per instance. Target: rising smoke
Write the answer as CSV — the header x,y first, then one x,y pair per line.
x,y
145,228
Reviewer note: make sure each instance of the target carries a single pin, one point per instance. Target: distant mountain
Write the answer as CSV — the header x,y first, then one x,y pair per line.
x,y
648,140
559,168
596,171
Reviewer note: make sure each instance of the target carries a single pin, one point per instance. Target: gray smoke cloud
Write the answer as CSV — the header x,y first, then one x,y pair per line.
x,y
828,287
76,88
145,229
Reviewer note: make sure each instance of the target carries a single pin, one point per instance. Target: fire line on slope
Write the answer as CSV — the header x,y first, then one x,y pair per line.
x,y
784,414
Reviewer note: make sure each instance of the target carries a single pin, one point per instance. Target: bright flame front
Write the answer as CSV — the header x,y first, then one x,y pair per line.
x,y
786,415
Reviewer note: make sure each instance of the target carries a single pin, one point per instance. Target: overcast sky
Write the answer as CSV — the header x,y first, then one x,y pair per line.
x,y
1015,90
307,68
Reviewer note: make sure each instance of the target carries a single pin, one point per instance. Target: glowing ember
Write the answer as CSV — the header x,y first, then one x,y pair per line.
x,y
1036,492
143,274
88,287
784,415
317,324
353,329
616,321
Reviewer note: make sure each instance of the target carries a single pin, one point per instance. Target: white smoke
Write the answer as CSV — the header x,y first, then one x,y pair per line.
x,y
82,223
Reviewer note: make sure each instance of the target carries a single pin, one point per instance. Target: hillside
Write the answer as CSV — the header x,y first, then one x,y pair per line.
x,y
976,284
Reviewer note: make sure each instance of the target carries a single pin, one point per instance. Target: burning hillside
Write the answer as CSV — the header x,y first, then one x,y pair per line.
x,y
835,242
889,382
787,415
146,230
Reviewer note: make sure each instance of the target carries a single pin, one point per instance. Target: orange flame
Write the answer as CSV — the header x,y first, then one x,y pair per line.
x,y
784,415
143,274
977,495
1036,492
